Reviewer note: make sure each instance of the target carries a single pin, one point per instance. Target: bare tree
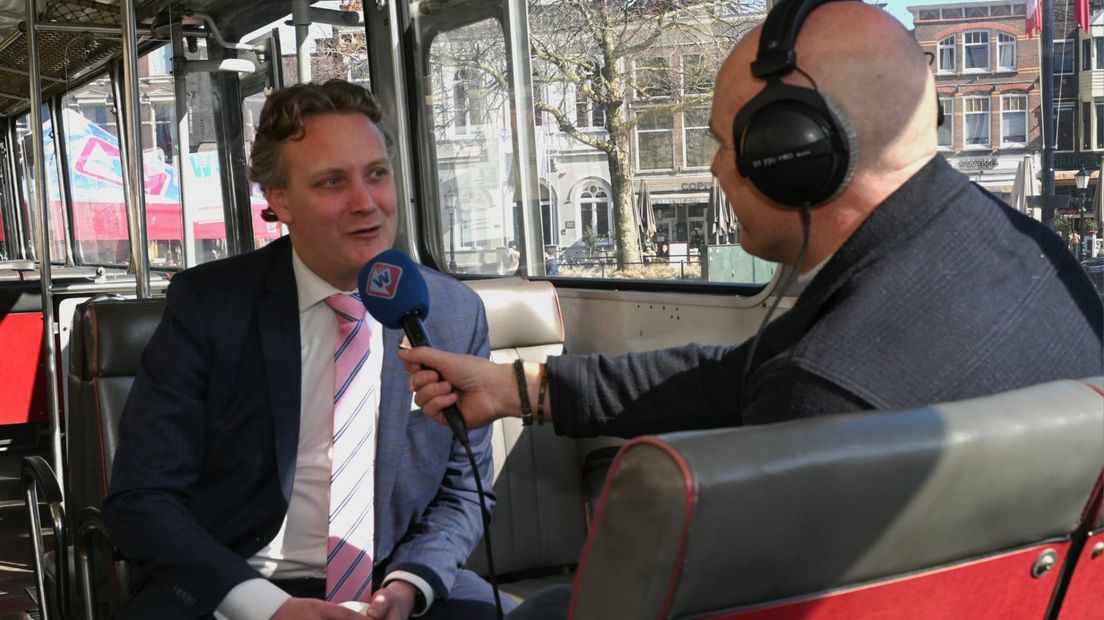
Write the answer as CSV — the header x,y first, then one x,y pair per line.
x,y
656,57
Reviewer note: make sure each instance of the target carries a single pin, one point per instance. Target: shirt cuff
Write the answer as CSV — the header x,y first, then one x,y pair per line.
x,y
252,599
417,582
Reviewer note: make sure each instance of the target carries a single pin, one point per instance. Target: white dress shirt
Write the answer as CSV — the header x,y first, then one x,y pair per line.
x,y
299,548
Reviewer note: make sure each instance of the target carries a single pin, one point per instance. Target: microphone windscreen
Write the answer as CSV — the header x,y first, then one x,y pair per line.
x,y
391,287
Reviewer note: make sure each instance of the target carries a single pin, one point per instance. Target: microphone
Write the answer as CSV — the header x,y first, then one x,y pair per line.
x,y
395,294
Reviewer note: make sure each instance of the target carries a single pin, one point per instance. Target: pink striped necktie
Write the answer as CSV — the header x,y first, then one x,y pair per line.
x,y
350,542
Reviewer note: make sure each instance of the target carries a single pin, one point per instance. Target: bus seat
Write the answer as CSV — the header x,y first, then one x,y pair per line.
x,y
539,522
953,510
105,349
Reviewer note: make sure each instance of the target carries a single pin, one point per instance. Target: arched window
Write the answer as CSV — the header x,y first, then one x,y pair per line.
x,y
595,210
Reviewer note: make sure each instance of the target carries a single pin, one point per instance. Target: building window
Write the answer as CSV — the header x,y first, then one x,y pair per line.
x,y
1063,57
655,142
697,143
588,114
467,101
975,121
697,79
1014,120
594,210
1064,125
653,77
946,54
946,130
975,50
1086,55
1098,42
1086,126
1099,126
1006,52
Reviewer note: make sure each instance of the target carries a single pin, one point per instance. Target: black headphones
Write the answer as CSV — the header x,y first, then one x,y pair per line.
x,y
794,143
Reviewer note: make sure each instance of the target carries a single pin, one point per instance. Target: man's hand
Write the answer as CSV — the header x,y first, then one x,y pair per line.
x,y
313,609
395,601
483,390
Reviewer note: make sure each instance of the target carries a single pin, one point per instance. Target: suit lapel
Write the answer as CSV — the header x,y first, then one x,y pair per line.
x,y
278,319
395,402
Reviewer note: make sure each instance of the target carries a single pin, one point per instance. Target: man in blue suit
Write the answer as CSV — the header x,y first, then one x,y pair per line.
x,y
220,492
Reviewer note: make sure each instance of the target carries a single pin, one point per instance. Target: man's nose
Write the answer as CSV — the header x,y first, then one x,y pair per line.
x,y
360,196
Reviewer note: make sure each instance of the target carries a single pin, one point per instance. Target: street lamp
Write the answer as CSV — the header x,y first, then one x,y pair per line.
x,y
450,204
1082,181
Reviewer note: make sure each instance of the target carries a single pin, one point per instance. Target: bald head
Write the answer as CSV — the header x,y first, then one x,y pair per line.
x,y
865,61
861,57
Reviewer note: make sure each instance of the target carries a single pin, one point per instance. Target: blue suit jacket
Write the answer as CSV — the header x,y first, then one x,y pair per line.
x,y
208,438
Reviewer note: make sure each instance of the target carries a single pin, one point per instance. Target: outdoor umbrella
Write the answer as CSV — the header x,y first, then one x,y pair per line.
x,y
722,222
1025,185
645,216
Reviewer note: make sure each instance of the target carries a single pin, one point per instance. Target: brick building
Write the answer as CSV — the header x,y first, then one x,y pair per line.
x,y
987,79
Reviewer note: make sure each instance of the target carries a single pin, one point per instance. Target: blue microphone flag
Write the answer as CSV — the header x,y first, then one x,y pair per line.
x,y
391,288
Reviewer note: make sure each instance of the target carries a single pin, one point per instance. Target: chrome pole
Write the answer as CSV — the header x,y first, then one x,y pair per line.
x,y
42,240
131,139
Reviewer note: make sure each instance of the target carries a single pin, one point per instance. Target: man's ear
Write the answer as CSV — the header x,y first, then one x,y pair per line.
x,y
277,202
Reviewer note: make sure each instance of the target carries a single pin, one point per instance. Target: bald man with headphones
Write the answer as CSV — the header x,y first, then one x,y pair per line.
x,y
920,286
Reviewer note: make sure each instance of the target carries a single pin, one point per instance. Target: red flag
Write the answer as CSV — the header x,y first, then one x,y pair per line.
x,y
1082,12
1034,18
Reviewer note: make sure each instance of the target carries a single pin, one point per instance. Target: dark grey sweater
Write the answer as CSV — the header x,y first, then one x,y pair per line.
x,y
944,293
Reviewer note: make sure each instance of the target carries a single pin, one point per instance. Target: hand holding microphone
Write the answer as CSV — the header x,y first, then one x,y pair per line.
x,y
395,294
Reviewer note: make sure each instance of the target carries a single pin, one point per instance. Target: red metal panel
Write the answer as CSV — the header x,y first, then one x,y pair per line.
x,y
1085,596
22,377
996,587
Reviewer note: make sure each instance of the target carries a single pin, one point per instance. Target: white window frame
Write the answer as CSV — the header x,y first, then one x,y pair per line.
x,y
966,44
1003,112
948,122
966,114
947,43
1005,40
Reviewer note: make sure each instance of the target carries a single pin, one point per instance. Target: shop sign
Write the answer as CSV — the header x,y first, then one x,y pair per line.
x,y
977,163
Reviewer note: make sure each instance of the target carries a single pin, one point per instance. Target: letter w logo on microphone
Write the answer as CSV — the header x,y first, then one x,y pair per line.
x,y
383,281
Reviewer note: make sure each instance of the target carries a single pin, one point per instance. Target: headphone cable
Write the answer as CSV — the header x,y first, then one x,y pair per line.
x,y
806,224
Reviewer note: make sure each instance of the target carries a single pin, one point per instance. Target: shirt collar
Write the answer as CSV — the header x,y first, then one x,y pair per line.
x,y
311,288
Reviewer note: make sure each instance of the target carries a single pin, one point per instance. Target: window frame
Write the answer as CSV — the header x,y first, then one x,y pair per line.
x,y
1004,142
967,114
669,130
1071,45
966,44
1006,40
948,123
950,44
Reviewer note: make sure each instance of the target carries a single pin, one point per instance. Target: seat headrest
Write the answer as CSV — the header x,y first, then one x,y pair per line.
x,y
109,336
520,312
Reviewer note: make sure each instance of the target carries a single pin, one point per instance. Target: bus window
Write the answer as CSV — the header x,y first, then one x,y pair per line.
x,y
477,179
25,167
623,147
95,175
160,163
8,223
